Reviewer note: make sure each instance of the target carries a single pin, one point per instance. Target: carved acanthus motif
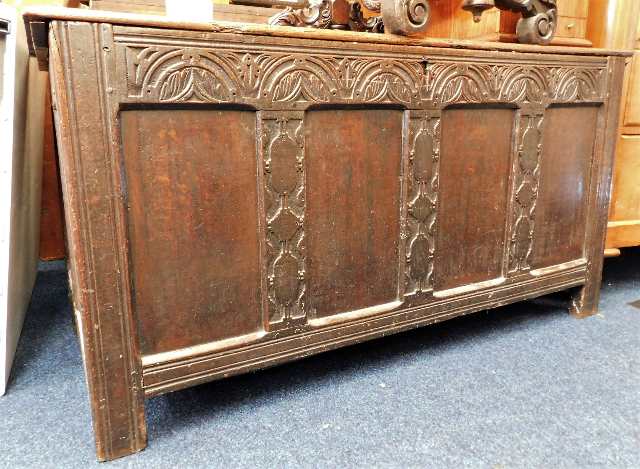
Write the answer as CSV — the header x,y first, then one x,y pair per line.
x,y
576,84
526,185
195,84
422,197
169,74
284,195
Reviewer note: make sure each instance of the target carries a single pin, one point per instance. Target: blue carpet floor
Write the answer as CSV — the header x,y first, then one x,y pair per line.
x,y
523,386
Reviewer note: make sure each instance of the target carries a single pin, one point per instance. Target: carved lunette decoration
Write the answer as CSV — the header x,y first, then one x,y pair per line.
x,y
174,74
422,190
526,186
284,199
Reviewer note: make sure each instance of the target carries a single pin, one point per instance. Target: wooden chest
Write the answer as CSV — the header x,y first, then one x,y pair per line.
x,y
237,196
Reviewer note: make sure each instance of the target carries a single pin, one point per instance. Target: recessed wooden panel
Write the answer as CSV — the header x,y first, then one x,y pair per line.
x,y
353,196
631,116
625,203
474,173
192,194
567,150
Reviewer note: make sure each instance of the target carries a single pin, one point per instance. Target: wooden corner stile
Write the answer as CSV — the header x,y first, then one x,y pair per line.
x,y
585,300
109,345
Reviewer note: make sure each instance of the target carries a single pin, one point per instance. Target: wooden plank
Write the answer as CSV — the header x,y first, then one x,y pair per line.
x,y
51,217
585,302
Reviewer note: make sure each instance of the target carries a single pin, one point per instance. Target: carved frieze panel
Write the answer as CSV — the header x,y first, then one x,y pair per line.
x,y
162,73
284,201
422,195
526,184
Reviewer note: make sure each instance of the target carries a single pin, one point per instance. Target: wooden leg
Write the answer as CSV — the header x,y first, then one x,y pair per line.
x,y
98,268
584,302
117,410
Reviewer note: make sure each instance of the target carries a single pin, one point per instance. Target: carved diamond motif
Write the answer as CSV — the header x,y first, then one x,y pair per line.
x,y
525,195
422,208
522,233
285,225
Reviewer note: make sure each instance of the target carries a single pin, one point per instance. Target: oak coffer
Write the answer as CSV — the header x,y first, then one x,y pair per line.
x,y
238,196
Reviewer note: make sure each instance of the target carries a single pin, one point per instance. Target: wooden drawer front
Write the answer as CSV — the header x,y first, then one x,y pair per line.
x,y
571,27
625,204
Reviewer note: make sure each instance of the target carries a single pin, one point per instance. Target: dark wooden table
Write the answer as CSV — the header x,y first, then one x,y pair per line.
x,y
237,196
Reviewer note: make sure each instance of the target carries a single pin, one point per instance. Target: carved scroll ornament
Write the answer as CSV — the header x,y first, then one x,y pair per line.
x,y
405,17
410,17
539,17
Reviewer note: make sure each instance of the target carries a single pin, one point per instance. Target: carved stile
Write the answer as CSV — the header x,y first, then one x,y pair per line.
x,y
422,187
284,194
526,185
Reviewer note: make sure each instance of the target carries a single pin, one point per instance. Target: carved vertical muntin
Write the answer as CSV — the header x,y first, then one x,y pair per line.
x,y
282,149
421,181
526,183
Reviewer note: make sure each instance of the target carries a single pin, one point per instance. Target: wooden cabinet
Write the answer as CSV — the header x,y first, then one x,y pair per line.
x,y
622,30
245,196
449,20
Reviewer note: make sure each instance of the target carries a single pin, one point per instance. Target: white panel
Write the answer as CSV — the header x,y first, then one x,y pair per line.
x,y
21,130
